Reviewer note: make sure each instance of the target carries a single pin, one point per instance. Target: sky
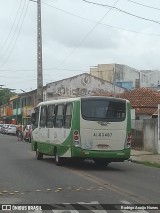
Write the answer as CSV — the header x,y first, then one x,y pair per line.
x,y
76,35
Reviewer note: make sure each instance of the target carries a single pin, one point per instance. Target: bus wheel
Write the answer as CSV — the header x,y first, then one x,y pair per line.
x,y
58,159
39,155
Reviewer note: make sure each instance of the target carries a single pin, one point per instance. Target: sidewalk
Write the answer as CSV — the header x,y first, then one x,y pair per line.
x,y
143,156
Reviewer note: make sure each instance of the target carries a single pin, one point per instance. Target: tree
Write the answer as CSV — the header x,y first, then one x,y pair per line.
x,y
5,94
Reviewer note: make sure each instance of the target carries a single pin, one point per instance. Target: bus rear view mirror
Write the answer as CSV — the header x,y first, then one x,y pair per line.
x,y
33,118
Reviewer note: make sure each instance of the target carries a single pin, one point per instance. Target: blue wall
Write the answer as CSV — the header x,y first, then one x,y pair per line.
x,y
126,84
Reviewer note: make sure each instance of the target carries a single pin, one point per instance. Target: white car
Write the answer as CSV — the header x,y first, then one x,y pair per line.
x,y
11,130
4,128
1,127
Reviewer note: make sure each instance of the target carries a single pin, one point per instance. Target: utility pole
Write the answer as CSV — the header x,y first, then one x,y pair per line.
x,y
39,55
114,80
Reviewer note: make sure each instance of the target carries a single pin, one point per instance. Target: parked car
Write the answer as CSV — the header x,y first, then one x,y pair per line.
x,y
27,132
11,130
1,127
4,128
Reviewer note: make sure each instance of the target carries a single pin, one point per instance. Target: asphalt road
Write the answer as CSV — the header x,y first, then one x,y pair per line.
x,y
25,180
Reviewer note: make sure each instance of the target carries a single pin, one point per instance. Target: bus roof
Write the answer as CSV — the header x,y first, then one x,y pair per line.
x,y
64,100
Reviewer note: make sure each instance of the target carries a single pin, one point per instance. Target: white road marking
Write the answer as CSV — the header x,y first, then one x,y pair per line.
x,y
125,207
94,202
65,211
82,203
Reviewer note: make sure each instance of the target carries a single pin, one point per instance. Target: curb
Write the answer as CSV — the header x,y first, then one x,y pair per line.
x,y
145,163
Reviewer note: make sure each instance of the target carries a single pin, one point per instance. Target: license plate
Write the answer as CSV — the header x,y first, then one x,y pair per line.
x,y
102,146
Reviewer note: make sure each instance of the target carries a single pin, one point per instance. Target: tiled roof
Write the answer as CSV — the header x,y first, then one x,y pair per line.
x,y
143,100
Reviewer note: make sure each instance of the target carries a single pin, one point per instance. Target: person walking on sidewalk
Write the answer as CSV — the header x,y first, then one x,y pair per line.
x,y
20,132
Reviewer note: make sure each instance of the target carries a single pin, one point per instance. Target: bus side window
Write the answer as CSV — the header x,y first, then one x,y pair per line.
x,y
50,116
68,115
43,117
35,125
59,116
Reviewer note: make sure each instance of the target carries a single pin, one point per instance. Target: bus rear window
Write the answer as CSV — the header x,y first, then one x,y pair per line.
x,y
103,109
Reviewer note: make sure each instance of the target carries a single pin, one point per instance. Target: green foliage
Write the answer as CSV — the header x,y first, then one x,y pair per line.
x,y
5,94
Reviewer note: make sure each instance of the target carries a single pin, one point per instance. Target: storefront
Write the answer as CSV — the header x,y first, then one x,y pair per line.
x,y
26,115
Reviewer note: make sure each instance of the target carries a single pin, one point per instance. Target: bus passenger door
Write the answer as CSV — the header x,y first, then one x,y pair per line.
x,y
42,130
35,122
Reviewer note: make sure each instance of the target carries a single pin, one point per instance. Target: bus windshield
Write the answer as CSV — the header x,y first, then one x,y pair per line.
x,y
103,109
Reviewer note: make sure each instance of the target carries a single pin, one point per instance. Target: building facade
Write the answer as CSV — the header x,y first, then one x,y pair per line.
x,y
20,107
125,76
80,85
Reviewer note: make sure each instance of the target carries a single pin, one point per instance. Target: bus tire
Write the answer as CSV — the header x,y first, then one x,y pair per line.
x,y
39,155
58,159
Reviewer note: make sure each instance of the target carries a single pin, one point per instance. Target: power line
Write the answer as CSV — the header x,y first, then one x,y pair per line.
x,y
107,25
71,70
119,28
1,65
16,28
97,23
86,36
122,11
15,70
16,77
15,82
155,8
6,39
31,70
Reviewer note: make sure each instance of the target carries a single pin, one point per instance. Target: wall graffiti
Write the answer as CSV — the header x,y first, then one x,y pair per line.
x,y
65,91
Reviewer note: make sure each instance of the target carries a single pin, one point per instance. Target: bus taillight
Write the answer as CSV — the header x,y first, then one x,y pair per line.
x,y
129,138
76,138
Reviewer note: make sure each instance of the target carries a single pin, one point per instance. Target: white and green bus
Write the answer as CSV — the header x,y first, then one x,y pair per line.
x,y
97,128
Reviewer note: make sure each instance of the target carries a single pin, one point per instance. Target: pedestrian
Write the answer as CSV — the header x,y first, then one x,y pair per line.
x,y
19,132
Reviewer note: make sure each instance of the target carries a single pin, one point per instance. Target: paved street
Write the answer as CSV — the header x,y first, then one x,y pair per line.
x,y
25,180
